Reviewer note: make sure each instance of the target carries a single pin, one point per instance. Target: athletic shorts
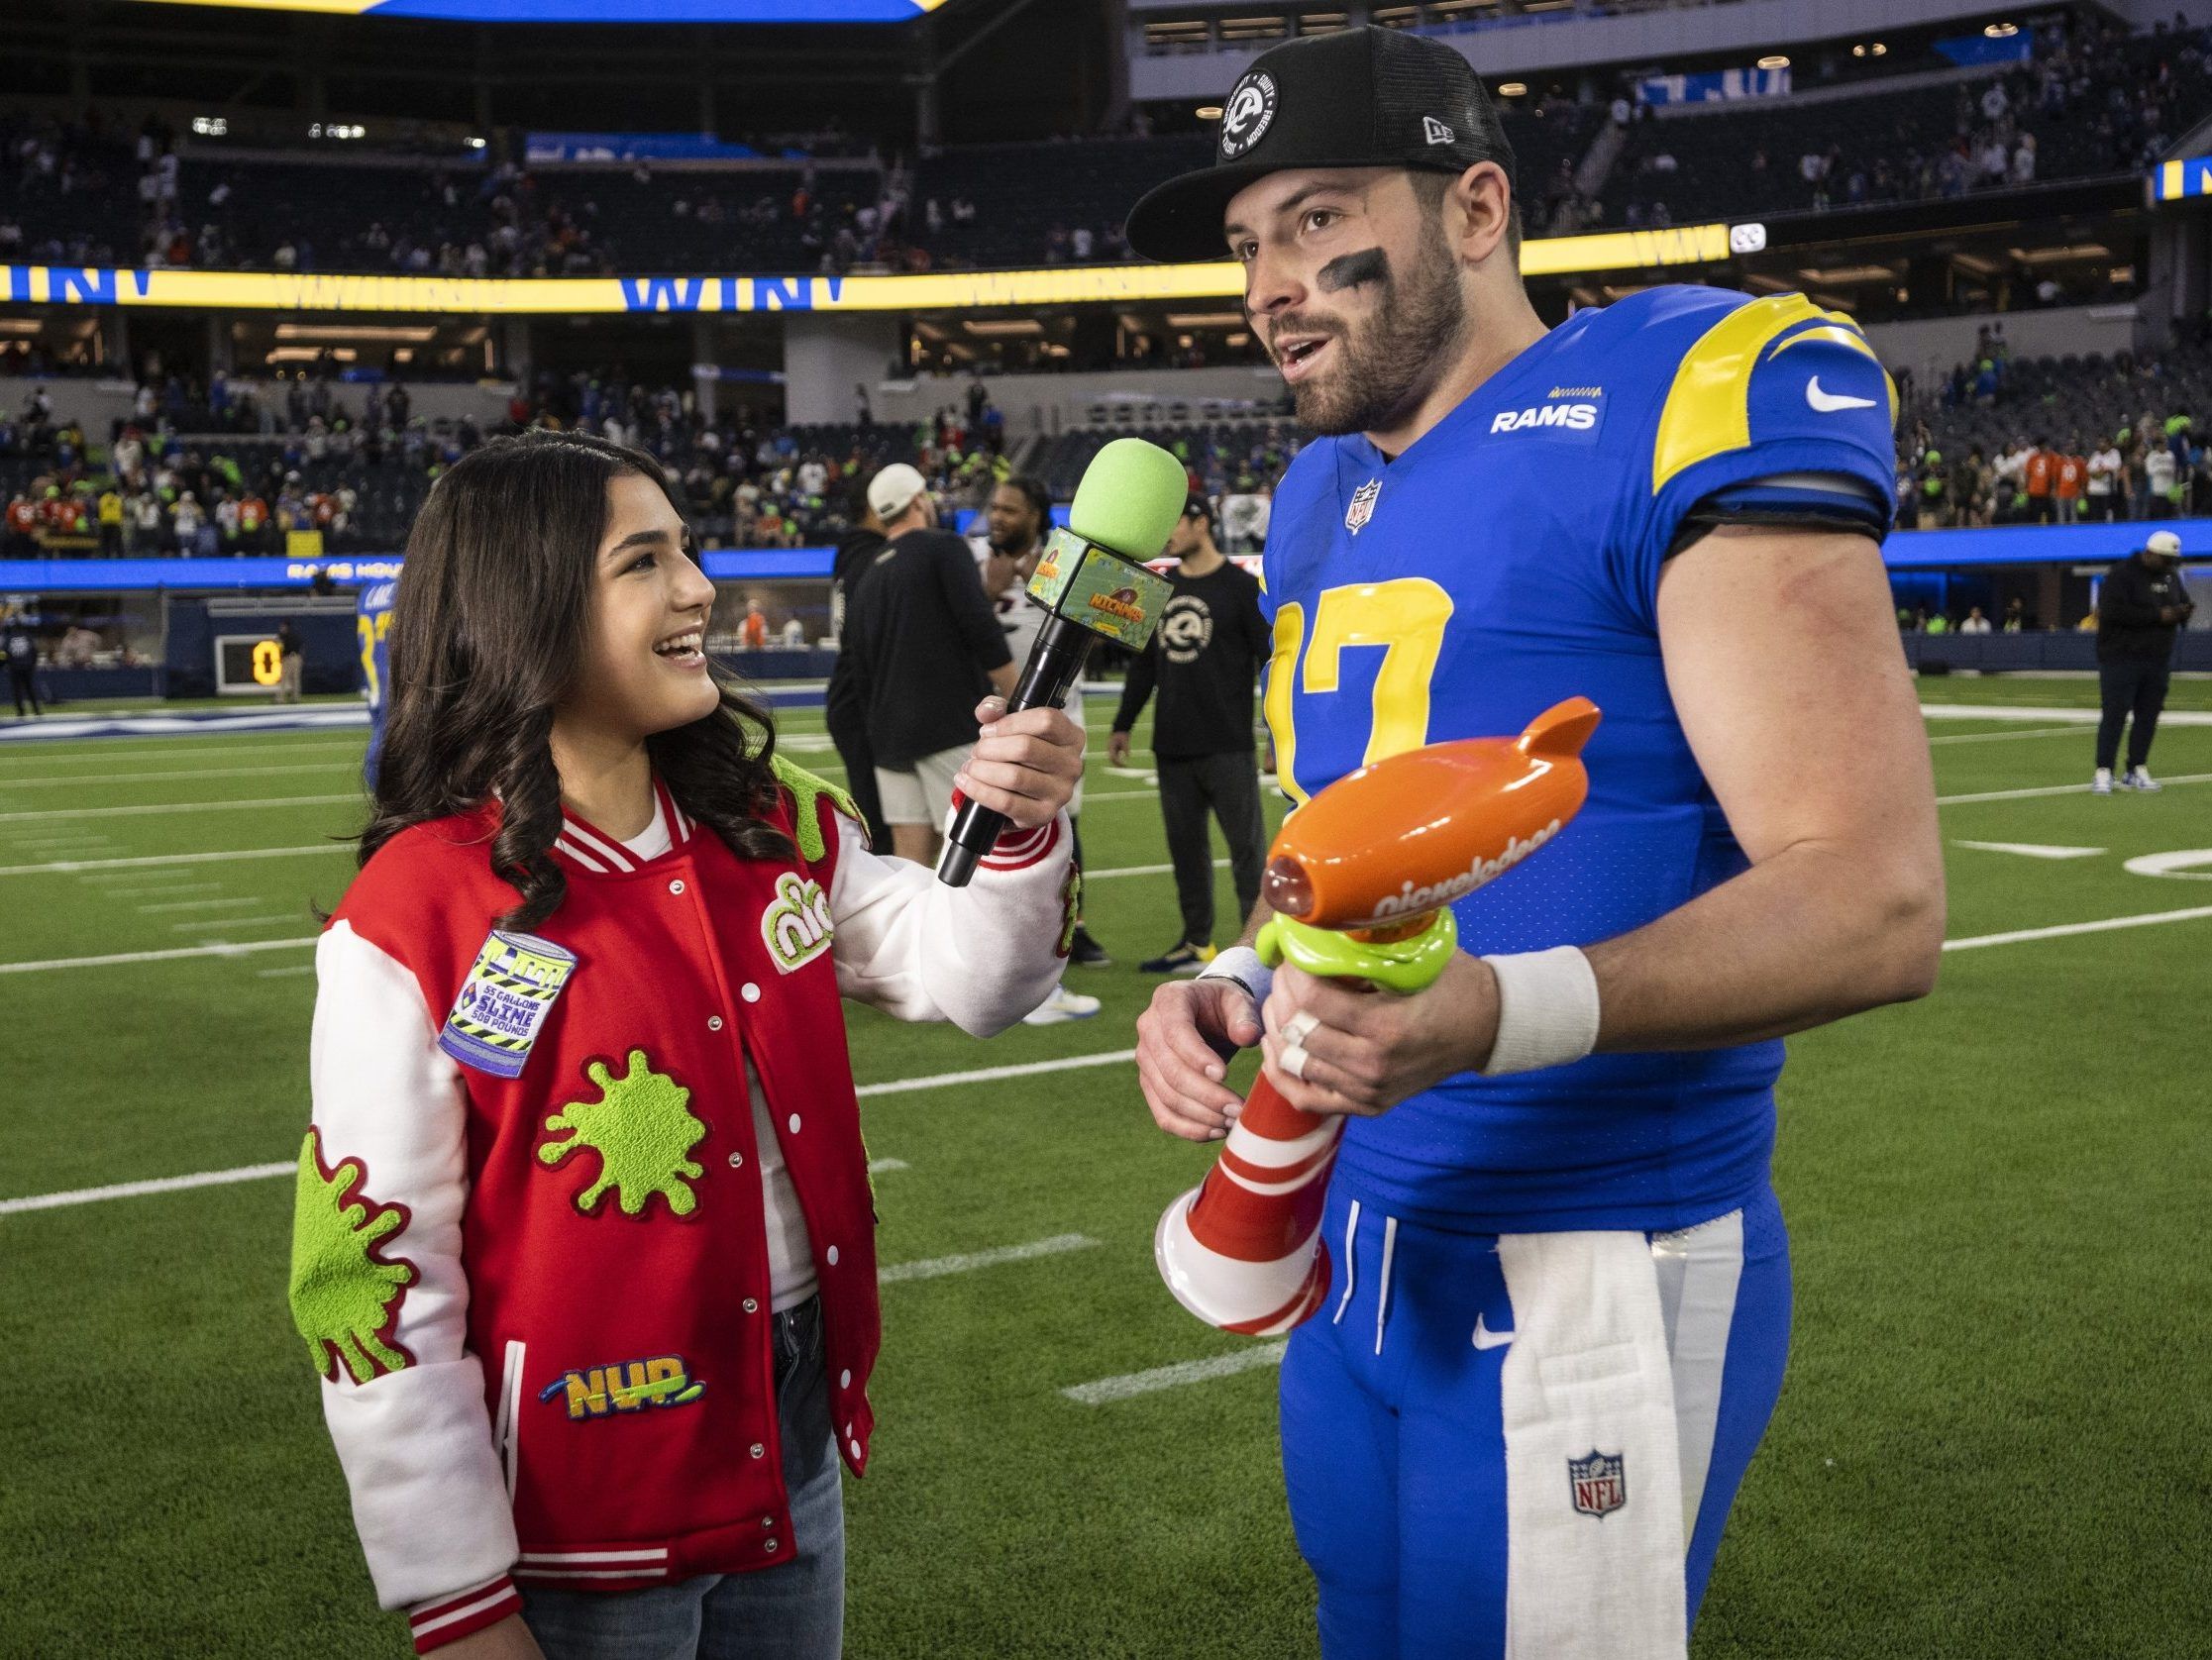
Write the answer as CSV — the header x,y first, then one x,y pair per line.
x,y
922,793
1536,1434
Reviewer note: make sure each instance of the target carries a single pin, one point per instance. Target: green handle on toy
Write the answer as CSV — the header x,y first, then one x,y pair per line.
x,y
1403,965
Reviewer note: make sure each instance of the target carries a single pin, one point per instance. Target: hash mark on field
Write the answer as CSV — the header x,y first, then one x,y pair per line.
x,y
281,974
1176,1376
232,922
201,905
935,1268
2033,850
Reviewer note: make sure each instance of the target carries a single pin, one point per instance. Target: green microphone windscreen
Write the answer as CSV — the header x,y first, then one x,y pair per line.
x,y
1130,496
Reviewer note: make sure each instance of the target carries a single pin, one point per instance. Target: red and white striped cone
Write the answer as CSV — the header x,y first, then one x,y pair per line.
x,y
1242,1249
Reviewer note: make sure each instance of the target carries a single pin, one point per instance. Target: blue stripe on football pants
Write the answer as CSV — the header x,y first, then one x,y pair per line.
x,y
1393,1445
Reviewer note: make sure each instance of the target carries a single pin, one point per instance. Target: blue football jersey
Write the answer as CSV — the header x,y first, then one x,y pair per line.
x,y
371,626
1509,558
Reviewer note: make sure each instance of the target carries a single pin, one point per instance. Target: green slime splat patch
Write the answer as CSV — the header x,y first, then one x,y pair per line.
x,y
808,791
342,1293
641,1127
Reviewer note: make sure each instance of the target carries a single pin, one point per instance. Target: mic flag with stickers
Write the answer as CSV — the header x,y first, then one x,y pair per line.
x,y
1362,880
1090,578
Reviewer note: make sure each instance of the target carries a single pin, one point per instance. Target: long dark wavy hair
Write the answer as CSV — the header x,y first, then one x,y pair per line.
x,y
487,632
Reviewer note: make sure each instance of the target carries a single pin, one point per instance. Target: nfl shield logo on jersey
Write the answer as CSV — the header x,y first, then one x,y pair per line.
x,y
1600,1483
1363,505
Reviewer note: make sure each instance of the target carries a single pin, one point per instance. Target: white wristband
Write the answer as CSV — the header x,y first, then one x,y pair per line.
x,y
1547,1010
1243,964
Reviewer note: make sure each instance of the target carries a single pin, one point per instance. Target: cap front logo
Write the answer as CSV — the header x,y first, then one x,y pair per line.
x,y
1247,114
1435,131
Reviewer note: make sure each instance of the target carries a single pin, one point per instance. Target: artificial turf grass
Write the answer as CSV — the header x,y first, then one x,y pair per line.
x,y
1991,1196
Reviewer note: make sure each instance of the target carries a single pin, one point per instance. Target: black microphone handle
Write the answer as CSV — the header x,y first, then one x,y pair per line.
x,y
1054,663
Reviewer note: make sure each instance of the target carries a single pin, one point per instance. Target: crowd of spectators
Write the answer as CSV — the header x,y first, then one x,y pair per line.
x,y
2057,441
213,470
2091,100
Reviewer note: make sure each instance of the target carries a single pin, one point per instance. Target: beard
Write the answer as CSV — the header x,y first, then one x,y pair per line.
x,y
1390,361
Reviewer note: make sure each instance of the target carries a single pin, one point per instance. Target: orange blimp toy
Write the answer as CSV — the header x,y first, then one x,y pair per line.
x,y
1362,878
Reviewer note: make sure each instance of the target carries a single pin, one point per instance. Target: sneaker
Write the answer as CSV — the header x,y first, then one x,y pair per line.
x,y
1186,958
2101,785
2139,777
1063,1004
1086,953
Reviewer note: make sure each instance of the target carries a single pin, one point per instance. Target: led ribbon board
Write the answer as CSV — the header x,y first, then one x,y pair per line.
x,y
946,292
599,11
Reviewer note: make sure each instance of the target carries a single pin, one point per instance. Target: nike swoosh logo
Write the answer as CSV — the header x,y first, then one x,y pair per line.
x,y
1829,402
1485,1338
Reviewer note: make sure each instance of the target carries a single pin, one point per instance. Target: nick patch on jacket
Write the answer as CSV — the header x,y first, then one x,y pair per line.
x,y
797,928
625,1385
505,1000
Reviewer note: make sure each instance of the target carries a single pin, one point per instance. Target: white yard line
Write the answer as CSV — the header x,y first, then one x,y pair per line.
x,y
990,1075
2064,930
165,778
176,749
2008,737
283,973
2072,715
2052,789
1175,1377
233,922
935,1268
119,959
155,861
136,1189
145,809
199,905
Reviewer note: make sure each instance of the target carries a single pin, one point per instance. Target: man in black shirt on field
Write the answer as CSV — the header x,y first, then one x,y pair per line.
x,y
19,648
845,707
1203,657
927,649
2139,609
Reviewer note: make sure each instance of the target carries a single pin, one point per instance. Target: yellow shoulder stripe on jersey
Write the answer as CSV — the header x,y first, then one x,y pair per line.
x,y
1840,330
1708,408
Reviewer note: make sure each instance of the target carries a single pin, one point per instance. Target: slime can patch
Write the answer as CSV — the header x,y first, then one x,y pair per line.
x,y
504,1002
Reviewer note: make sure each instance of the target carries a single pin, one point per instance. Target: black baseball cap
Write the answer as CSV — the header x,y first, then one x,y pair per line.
x,y
1358,98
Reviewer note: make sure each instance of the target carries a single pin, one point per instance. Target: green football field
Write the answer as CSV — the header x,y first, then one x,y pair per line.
x,y
1992,1442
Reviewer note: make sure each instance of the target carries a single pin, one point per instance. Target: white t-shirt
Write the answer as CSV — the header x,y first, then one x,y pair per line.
x,y
2157,469
792,1278
2104,466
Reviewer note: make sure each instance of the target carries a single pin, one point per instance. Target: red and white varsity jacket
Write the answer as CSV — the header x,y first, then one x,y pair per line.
x,y
541,1303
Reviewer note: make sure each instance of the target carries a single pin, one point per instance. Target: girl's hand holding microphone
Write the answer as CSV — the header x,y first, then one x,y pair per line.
x,y
1025,765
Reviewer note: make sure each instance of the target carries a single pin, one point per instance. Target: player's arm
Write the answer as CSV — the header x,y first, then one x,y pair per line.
x,y
1783,660
1136,692
973,614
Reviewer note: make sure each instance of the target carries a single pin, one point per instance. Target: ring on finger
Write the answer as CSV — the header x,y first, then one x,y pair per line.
x,y
1299,1027
1293,1061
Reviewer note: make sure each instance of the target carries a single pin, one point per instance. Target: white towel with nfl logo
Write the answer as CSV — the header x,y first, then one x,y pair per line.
x,y
1593,1467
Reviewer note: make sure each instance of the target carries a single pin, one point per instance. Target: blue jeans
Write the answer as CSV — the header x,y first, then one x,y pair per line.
x,y
795,1611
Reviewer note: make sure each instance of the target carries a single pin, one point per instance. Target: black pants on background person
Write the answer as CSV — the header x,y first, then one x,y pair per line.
x,y
848,730
2129,686
26,690
1230,786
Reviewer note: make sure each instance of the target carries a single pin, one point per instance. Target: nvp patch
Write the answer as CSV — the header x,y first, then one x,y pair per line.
x,y
504,1001
626,1386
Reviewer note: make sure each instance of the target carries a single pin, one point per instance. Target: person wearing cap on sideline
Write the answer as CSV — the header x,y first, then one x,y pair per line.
x,y
926,647
2141,607
1560,1300
1202,659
